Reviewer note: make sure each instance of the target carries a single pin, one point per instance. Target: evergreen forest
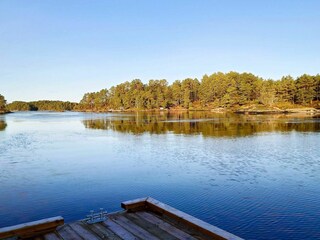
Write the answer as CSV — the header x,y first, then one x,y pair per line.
x,y
42,105
230,90
219,90
3,104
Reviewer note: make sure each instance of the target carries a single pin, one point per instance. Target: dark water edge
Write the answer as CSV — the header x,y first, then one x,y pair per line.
x,y
255,176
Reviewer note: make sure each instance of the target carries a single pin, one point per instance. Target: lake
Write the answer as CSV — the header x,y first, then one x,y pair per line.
x,y
255,176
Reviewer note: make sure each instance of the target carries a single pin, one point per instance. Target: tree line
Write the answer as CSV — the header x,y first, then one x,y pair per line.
x,y
226,90
219,90
42,105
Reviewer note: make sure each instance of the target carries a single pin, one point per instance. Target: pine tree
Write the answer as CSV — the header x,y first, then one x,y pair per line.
x,y
3,103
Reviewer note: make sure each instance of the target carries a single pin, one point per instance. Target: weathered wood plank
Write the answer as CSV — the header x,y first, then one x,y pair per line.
x,y
193,222
30,229
66,232
103,232
85,233
133,228
38,238
119,230
134,205
52,236
150,227
182,226
165,226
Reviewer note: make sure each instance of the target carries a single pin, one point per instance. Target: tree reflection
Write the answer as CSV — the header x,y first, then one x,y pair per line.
x,y
205,123
3,125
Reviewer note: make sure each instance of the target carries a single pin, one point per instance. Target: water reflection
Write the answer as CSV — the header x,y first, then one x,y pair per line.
x,y
3,125
204,123
260,187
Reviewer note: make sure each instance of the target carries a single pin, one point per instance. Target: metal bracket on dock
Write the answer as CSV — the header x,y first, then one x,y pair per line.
x,y
96,217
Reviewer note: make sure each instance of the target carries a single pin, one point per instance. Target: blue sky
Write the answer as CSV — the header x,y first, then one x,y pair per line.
x,y
60,49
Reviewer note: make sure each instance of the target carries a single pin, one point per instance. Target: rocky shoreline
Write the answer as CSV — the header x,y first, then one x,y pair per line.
x,y
306,111
247,110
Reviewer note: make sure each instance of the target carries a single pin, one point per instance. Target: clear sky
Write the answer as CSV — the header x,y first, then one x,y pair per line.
x,y
60,49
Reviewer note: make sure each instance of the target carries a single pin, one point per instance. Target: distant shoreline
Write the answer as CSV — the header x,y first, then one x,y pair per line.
x,y
244,110
306,110
4,112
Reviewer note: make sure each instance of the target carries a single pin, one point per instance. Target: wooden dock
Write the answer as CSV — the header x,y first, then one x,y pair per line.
x,y
144,218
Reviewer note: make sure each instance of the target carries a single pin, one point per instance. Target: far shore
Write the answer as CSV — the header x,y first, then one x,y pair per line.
x,y
302,111
248,109
4,112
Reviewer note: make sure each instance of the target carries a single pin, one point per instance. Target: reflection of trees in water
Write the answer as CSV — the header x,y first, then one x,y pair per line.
x,y
204,123
3,125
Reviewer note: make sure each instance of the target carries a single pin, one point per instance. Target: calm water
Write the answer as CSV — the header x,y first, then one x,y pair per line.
x,y
255,176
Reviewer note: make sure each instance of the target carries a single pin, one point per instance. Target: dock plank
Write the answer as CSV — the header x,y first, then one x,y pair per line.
x,y
165,226
38,238
150,227
193,222
52,236
135,205
119,230
85,233
66,232
183,227
133,228
103,232
30,229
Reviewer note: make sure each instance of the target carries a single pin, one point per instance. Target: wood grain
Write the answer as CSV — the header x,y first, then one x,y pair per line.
x,y
29,229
